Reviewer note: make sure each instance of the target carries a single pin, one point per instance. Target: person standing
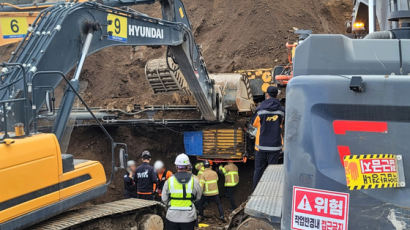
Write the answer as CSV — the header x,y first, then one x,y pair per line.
x,y
145,178
268,143
130,189
231,174
209,184
162,175
180,192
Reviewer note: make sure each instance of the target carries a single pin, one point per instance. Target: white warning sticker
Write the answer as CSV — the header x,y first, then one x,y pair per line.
x,y
304,204
319,209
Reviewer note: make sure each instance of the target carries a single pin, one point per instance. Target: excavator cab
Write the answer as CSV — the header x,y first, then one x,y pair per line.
x,y
283,73
37,180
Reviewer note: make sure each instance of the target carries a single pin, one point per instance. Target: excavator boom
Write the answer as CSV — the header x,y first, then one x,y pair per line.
x,y
65,34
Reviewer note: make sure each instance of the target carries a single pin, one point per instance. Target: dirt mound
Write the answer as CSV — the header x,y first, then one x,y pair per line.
x,y
252,34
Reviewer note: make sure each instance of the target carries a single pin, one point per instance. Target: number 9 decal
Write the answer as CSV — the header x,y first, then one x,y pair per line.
x,y
117,28
117,24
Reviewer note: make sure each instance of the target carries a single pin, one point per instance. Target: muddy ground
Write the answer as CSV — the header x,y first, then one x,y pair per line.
x,y
233,34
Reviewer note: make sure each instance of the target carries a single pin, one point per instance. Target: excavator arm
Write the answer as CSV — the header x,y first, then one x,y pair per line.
x,y
62,36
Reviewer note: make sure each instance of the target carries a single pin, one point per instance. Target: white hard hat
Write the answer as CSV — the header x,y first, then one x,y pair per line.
x,y
158,165
130,163
182,160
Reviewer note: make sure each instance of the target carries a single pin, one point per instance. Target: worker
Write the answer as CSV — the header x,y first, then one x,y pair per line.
x,y
199,168
209,184
130,189
180,192
145,178
162,175
268,144
231,174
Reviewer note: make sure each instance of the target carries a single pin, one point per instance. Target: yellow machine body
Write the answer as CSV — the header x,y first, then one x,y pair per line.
x,y
14,26
264,75
35,184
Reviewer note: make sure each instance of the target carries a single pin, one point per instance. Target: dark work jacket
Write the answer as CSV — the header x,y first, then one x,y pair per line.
x,y
145,178
268,119
130,189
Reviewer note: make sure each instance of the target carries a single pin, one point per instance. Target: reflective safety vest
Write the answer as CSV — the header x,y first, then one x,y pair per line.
x,y
268,120
200,172
209,182
200,168
181,195
268,135
231,174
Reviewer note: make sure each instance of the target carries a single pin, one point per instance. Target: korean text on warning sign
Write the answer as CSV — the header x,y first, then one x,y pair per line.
x,y
371,171
319,209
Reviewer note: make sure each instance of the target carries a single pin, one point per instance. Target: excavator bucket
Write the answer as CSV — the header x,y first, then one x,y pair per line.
x,y
236,91
164,77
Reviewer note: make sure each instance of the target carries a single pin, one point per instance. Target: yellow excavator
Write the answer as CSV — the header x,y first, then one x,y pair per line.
x,y
15,20
37,180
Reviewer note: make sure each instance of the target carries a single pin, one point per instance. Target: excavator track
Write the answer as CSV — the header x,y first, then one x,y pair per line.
x,y
129,213
163,78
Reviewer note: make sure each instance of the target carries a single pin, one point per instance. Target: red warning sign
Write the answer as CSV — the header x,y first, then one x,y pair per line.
x,y
319,209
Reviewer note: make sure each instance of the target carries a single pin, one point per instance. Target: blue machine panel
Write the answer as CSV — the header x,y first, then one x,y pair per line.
x,y
193,143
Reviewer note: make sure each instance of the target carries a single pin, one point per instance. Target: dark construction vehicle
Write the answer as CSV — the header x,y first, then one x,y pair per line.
x,y
346,162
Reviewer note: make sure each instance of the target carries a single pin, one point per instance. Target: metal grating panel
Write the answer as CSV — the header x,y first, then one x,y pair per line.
x,y
77,217
266,201
162,79
223,143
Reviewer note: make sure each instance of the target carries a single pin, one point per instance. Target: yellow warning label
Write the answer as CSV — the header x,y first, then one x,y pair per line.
x,y
13,27
117,28
371,171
